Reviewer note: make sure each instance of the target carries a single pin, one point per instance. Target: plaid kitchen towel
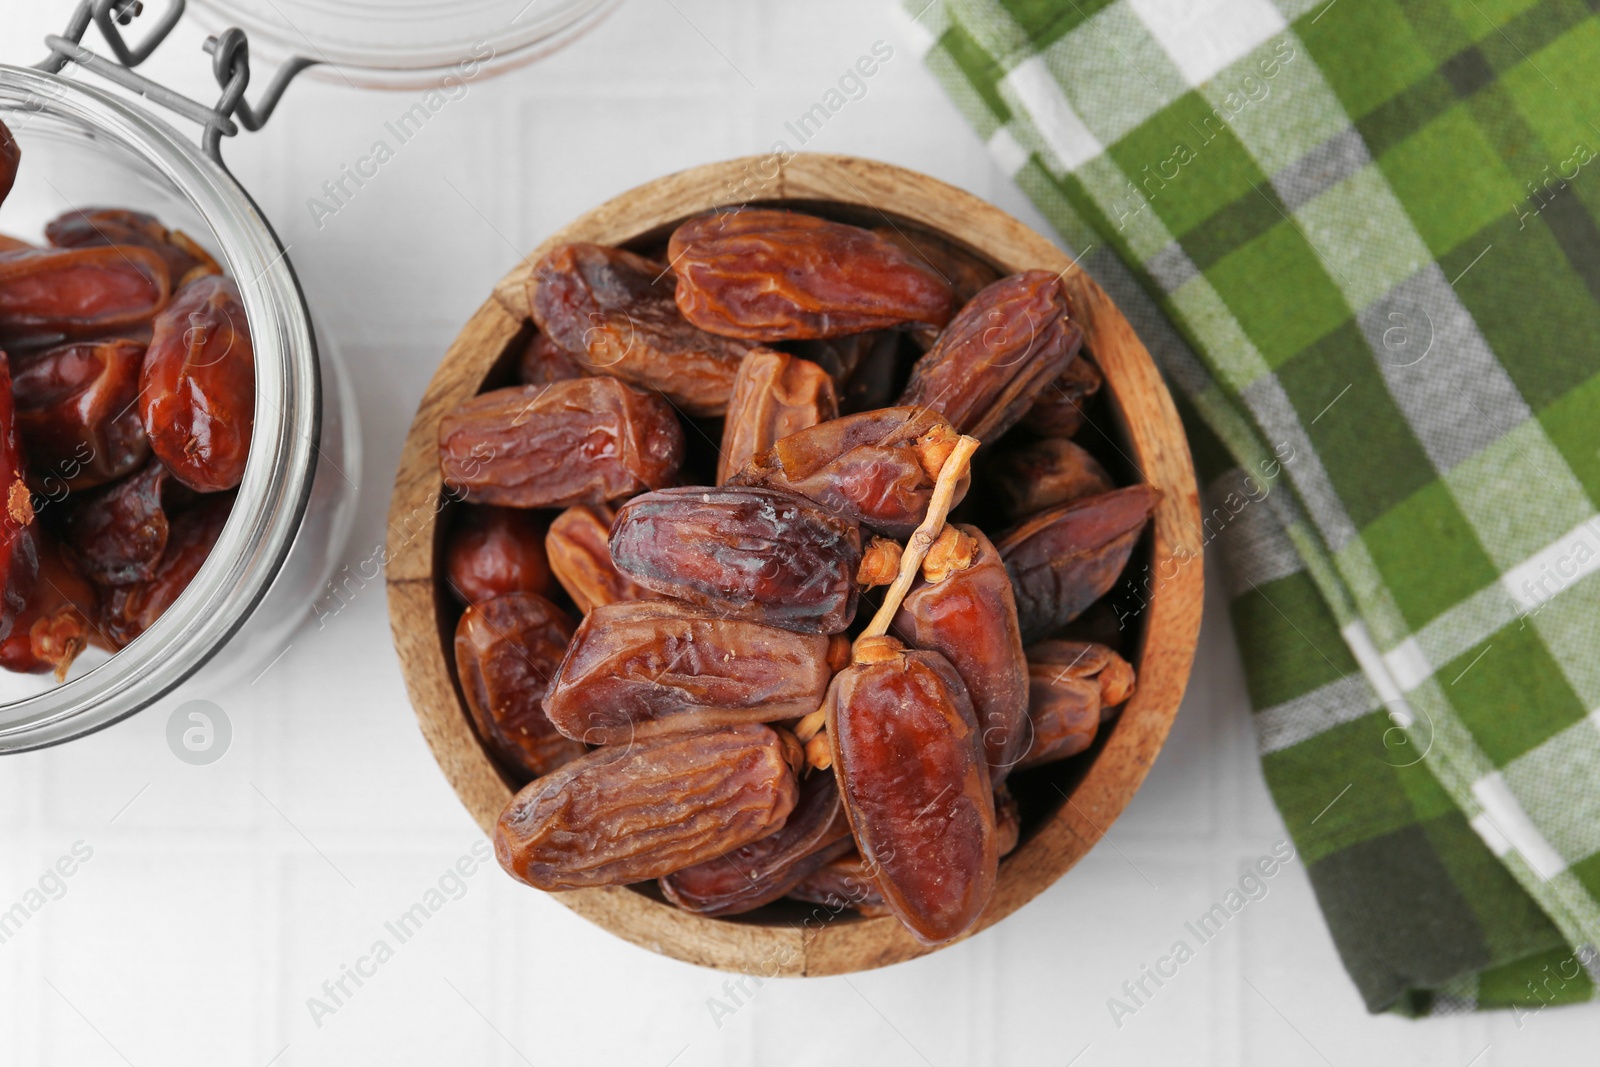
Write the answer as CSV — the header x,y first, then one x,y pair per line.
x,y
1360,237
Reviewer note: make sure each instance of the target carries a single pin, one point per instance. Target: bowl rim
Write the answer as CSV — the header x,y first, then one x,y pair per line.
x,y
1146,417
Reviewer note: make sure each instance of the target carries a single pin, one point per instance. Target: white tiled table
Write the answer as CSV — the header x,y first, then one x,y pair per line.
x,y
221,898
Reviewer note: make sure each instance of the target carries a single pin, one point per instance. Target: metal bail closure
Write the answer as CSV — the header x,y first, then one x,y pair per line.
x,y
230,65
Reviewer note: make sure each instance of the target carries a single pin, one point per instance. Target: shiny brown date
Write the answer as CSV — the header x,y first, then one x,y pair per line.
x,y
1064,559
627,813
95,227
1089,659
758,873
615,312
911,769
877,468
19,555
647,667
990,364
543,361
774,395
748,553
77,412
1058,412
582,441
117,534
57,622
198,385
55,294
496,551
507,650
840,884
578,547
129,610
970,617
1041,474
770,275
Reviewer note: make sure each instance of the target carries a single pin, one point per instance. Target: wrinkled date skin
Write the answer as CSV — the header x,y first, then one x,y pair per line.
x,y
507,650
578,547
916,788
19,553
198,385
992,361
769,275
1041,474
760,554
582,441
1064,559
970,618
759,873
774,395
95,227
57,622
117,535
496,551
77,410
628,813
1090,659
543,361
49,295
129,610
646,667
1059,410
615,311
865,467
840,884
10,157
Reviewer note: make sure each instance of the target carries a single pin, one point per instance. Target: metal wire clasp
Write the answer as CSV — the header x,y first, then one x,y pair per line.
x,y
230,64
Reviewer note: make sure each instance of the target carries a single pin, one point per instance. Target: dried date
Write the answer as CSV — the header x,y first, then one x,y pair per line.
x,y
840,884
1064,559
910,761
1041,474
57,622
1058,412
628,813
543,361
495,551
616,313
579,549
97,227
581,441
77,413
1089,659
774,395
736,882
117,534
771,275
990,364
877,468
130,610
19,555
640,668
966,612
198,385
55,294
749,553
507,651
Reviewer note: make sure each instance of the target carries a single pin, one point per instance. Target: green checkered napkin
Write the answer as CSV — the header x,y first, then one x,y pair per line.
x,y
1360,238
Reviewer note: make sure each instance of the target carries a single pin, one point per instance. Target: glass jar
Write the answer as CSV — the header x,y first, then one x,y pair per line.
x,y
83,147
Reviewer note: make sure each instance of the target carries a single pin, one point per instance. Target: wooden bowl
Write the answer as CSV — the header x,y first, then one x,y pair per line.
x,y
1074,802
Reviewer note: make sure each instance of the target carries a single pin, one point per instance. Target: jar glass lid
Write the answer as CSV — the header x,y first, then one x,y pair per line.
x,y
402,43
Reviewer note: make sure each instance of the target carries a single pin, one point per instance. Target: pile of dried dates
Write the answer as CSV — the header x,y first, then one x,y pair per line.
x,y
127,398
719,452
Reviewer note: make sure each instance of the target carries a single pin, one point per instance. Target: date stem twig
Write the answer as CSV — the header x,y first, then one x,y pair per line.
x,y
944,491
922,539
